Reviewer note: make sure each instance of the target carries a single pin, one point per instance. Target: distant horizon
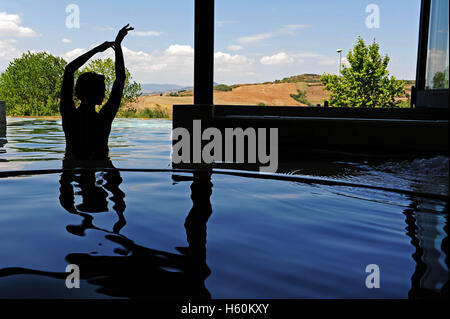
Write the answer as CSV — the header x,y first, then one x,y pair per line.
x,y
255,41
217,83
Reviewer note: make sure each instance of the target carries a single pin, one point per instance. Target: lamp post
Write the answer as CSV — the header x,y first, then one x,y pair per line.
x,y
340,59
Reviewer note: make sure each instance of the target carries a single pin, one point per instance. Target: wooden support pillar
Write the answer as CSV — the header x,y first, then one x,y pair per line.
x,y
204,52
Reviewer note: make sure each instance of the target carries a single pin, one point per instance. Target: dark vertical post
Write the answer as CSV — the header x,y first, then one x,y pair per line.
x,y
2,122
424,29
2,113
204,52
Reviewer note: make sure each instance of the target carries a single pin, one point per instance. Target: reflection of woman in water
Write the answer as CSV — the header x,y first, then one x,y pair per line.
x,y
87,134
93,188
86,130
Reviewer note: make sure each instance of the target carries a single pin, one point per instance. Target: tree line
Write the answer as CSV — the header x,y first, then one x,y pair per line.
x,y
31,84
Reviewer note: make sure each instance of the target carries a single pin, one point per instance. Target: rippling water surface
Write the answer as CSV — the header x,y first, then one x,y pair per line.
x,y
166,234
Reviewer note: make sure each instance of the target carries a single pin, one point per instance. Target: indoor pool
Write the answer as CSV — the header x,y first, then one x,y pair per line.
x,y
147,231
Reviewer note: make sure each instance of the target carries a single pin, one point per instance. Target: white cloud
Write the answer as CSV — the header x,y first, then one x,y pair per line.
x,y
318,58
292,27
235,47
255,38
175,64
139,61
69,56
175,57
7,48
287,29
8,52
145,33
229,68
307,55
65,40
10,26
277,59
177,49
330,61
221,59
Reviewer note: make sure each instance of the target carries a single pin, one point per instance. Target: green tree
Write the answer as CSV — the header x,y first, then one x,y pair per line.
x,y
223,87
366,82
131,91
31,84
301,97
440,80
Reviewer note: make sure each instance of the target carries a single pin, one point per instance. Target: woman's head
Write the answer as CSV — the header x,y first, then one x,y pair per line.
x,y
90,88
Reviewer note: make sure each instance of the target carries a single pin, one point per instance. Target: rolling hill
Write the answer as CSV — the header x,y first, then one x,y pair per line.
x,y
275,93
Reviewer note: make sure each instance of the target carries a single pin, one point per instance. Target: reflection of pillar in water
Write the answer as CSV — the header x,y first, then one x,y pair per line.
x,y
429,234
195,224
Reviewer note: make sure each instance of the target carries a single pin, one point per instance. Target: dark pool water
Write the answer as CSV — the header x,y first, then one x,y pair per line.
x,y
167,234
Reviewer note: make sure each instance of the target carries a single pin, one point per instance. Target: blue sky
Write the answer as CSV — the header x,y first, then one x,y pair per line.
x,y
256,40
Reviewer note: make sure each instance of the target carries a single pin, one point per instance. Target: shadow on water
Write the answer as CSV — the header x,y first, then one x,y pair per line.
x,y
135,271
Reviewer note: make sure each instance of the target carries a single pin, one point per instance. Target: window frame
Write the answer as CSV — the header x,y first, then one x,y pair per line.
x,y
204,59
422,97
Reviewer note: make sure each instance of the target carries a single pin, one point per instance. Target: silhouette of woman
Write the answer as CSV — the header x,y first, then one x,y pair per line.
x,y
87,131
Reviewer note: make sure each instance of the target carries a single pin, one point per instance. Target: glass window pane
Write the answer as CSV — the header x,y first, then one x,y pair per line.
x,y
274,52
437,64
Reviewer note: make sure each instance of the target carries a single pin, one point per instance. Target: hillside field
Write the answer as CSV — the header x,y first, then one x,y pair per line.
x,y
276,93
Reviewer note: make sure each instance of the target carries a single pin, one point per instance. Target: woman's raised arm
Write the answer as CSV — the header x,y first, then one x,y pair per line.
x,y
109,110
